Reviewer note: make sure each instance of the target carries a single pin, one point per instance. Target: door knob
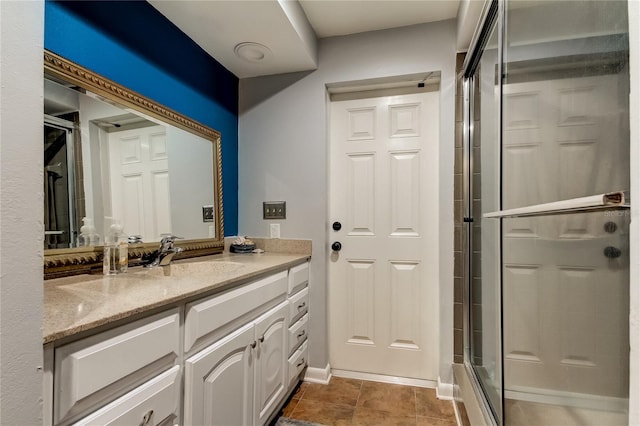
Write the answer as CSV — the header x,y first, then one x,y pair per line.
x,y
336,246
612,252
336,226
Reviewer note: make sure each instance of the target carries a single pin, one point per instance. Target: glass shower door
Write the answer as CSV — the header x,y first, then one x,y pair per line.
x,y
565,135
548,294
483,181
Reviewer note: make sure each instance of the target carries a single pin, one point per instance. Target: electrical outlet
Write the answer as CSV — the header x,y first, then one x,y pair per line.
x,y
274,230
207,213
274,210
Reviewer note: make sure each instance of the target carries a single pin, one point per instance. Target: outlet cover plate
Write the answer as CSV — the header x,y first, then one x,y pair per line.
x,y
274,230
207,213
274,210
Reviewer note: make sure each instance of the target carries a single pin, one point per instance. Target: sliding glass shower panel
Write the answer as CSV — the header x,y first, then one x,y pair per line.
x,y
484,176
566,346
565,101
565,134
58,220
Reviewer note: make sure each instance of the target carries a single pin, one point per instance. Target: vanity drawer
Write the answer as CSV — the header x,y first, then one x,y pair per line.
x,y
298,277
157,400
97,369
297,362
224,312
298,332
298,304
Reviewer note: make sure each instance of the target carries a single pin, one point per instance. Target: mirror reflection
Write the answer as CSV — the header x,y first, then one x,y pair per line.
x,y
105,163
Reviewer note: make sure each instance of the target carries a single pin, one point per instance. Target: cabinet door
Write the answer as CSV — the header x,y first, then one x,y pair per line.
x,y
219,382
271,361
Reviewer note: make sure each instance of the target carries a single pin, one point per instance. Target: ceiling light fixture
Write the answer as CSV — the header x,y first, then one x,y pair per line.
x,y
253,52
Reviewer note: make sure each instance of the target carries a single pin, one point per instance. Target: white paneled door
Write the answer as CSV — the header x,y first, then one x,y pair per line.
x,y
383,283
139,173
564,330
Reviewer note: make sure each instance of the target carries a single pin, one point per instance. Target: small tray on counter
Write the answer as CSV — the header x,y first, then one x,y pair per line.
x,y
242,248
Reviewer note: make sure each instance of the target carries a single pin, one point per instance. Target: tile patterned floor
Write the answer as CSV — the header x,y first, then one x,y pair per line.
x,y
359,402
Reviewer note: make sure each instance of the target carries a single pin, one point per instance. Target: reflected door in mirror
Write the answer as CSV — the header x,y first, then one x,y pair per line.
x,y
139,175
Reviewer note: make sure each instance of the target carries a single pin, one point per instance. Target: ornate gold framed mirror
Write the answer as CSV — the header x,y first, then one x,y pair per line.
x,y
115,156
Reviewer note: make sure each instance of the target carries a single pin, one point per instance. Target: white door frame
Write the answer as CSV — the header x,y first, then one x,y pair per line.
x,y
330,236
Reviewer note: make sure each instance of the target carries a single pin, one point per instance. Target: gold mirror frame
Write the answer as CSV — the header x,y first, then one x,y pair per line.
x,y
74,261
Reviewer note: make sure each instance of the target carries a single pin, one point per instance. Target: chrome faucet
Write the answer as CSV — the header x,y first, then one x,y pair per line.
x,y
164,254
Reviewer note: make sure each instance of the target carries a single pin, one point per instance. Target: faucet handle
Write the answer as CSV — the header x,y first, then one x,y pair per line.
x,y
166,243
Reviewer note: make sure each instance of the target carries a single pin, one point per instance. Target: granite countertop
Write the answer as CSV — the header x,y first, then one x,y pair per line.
x,y
82,302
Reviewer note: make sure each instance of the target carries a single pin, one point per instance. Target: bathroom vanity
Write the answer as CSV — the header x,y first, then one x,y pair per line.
x,y
214,340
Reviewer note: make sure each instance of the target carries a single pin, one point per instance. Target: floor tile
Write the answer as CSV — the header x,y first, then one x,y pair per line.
x,y
323,412
366,417
300,390
288,409
338,391
428,405
433,421
394,399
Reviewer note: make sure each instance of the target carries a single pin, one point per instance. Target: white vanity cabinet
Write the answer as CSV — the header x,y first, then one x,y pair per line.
x,y
239,379
241,351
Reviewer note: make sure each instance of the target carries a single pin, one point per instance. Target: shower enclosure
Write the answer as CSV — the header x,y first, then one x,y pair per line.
x,y
60,213
547,215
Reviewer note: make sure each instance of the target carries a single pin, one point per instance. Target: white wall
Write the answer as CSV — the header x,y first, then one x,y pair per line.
x,y
283,152
190,182
634,273
95,161
21,211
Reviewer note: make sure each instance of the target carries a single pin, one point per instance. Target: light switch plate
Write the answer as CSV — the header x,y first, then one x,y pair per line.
x,y
274,210
274,229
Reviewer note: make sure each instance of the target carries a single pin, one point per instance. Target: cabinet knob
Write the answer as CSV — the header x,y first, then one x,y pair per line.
x,y
254,344
301,334
612,252
261,339
302,305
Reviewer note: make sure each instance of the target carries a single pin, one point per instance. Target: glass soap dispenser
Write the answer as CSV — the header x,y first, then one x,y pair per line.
x,y
88,235
116,251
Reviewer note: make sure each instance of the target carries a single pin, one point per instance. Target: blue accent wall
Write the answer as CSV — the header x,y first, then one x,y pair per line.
x,y
133,44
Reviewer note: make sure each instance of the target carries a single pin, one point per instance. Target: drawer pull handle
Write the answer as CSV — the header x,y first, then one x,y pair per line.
x,y
147,418
301,334
261,339
302,305
253,345
300,363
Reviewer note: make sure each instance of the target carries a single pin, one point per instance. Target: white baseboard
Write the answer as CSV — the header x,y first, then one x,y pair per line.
x,y
444,390
384,379
318,375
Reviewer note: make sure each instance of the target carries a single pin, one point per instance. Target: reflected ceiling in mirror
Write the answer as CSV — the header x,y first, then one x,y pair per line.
x,y
112,155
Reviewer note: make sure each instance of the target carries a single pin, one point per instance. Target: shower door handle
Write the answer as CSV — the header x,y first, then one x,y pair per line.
x,y
612,252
